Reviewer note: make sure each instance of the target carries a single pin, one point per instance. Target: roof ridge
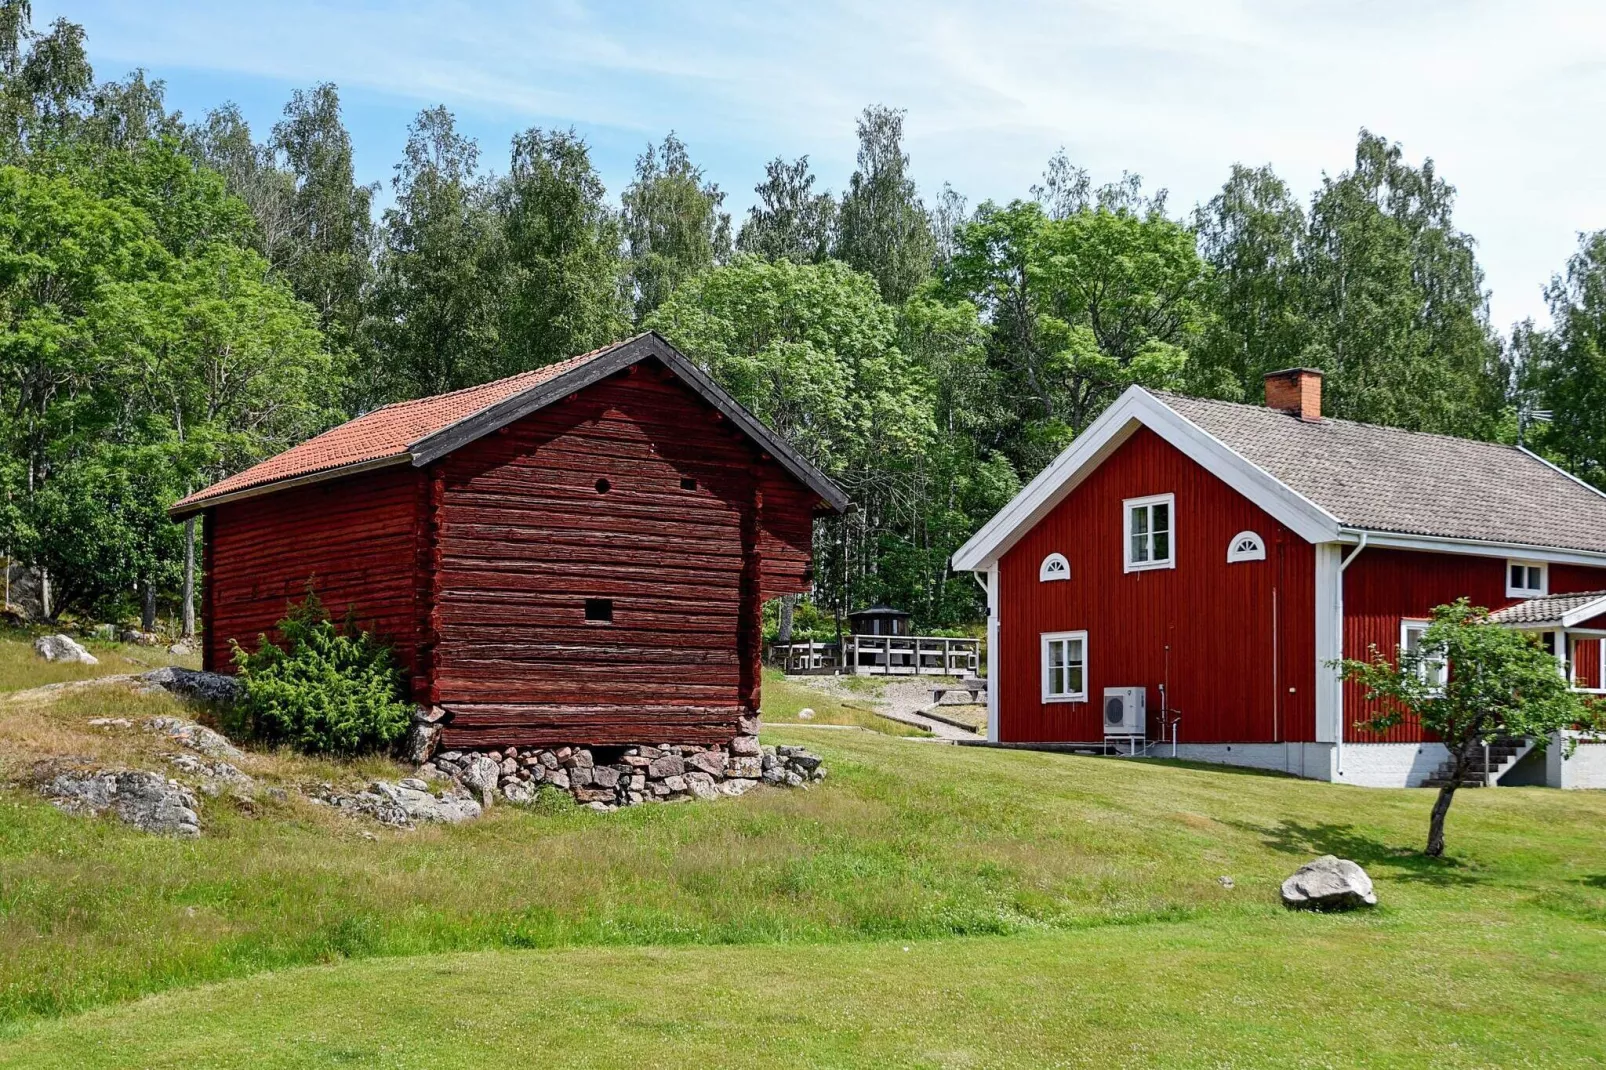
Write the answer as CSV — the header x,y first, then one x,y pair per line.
x,y
504,379
1392,428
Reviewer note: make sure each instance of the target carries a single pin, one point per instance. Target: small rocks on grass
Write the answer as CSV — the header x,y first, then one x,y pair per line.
x,y
1328,883
805,714
1225,882
148,801
111,722
63,648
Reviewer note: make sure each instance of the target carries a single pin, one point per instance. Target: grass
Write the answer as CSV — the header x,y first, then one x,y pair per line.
x,y
21,668
785,696
1056,910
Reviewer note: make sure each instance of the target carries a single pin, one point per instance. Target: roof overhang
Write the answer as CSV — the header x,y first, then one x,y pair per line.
x,y
1438,544
1134,409
438,444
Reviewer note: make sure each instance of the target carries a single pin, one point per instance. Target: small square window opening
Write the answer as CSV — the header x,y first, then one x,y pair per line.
x,y
599,611
688,484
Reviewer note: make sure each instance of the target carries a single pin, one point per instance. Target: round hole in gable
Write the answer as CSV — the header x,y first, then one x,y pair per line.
x,y
603,486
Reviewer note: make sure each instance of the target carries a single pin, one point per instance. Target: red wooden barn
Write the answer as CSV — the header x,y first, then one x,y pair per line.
x,y
577,554
1188,570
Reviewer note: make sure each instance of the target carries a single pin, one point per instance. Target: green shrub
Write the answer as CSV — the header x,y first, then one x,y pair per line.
x,y
325,690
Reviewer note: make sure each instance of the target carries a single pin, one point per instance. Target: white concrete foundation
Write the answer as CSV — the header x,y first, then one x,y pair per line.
x,y
1585,768
1369,765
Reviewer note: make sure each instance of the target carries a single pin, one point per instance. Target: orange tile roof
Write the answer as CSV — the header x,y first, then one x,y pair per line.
x,y
385,433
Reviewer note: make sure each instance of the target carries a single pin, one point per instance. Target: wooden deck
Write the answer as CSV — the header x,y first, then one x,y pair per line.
x,y
880,655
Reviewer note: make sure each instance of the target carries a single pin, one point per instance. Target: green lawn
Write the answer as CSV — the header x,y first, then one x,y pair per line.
x,y
1056,910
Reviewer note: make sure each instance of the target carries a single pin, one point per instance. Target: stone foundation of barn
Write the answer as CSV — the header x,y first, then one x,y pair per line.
x,y
609,777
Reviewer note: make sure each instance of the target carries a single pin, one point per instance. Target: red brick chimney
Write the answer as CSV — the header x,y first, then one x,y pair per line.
x,y
1296,390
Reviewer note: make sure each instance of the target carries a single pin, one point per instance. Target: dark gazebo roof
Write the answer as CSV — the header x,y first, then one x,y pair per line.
x,y
879,611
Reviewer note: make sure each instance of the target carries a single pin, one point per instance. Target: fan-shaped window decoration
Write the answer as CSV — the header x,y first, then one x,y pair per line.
x,y
1246,546
1054,567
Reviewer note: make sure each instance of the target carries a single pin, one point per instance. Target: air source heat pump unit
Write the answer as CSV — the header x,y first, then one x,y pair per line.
x,y
1125,711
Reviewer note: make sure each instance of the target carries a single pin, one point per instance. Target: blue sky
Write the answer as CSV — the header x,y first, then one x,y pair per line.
x,y
1505,96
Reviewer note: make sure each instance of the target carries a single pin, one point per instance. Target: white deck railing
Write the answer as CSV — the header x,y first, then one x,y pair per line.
x,y
881,655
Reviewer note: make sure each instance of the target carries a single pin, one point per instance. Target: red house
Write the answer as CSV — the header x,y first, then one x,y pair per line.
x,y
1185,573
578,554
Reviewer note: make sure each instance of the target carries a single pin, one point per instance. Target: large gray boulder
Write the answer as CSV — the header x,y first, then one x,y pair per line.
x,y
1328,883
63,648
148,801
212,688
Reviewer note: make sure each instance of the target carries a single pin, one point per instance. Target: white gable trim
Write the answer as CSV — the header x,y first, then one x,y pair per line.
x,y
1584,612
1133,409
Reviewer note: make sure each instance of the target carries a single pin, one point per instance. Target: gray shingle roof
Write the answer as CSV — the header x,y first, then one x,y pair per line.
x,y
1547,610
1407,482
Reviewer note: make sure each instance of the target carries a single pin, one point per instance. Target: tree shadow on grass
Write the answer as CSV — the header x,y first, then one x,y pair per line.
x,y
1403,863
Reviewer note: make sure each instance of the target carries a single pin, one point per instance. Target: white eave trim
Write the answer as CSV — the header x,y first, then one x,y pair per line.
x,y
1137,407
1440,544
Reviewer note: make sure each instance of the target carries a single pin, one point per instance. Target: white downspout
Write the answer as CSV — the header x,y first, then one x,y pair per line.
x,y
1343,566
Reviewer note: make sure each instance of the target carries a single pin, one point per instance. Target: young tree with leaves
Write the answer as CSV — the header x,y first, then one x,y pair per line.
x,y
1469,682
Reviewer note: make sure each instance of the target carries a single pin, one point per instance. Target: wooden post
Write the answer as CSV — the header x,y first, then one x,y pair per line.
x,y
187,631
750,608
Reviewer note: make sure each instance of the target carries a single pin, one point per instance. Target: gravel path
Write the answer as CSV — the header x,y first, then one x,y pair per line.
x,y
901,698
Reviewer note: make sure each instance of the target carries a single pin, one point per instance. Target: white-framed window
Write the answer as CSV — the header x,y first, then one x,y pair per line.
x,y
1054,567
1246,546
1526,579
1150,530
1432,669
1064,666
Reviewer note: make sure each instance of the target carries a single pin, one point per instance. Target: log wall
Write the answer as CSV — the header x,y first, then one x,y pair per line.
x,y
354,538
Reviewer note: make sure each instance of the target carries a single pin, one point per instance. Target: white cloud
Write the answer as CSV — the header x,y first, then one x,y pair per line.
x,y
1501,94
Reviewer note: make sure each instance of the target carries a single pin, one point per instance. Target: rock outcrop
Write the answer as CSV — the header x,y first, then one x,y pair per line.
x,y
195,737
1328,883
148,801
212,688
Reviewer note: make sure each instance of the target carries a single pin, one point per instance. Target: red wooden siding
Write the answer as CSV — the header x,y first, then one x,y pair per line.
x,y
1384,587
1221,622
1586,663
525,538
355,537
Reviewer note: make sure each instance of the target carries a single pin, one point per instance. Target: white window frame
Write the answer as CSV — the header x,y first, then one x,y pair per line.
x,y
1054,567
1049,638
1237,551
1513,591
1441,677
1130,506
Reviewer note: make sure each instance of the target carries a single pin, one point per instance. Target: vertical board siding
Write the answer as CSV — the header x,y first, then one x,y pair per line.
x,y
1220,621
355,538
525,538
1384,587
1586,663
